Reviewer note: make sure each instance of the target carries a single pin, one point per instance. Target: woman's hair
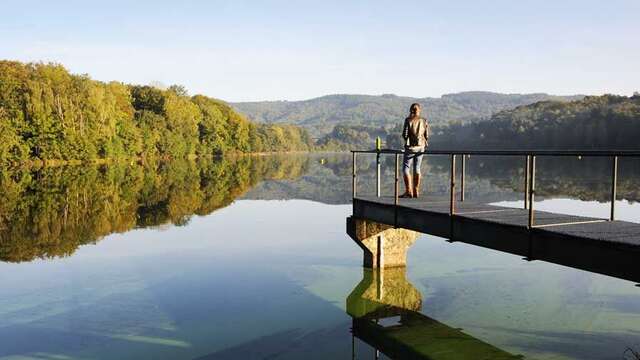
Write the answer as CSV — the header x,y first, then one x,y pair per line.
x,y
414,105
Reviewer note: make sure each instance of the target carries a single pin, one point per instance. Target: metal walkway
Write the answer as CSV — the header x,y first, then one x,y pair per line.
x,y
605,246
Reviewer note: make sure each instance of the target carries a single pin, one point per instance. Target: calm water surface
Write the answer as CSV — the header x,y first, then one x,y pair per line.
x,y
248,259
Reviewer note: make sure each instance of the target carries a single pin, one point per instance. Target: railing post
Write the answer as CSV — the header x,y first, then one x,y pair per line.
x,y
452,200
396,191
614,187
462,176
353,192
353,345
532,190
378,174
527,177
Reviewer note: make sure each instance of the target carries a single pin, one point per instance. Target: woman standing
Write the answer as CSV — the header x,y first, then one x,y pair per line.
x,y
416,136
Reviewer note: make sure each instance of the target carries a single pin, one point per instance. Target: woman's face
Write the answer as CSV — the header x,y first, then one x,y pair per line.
x,y
415,111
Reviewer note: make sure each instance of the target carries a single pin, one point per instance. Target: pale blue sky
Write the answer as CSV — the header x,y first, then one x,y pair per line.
x,y
270,50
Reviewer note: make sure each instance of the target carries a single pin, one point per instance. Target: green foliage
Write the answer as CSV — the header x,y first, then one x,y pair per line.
x,y
214,128
46,113
320,115
596,122
344,137
12,149
287,137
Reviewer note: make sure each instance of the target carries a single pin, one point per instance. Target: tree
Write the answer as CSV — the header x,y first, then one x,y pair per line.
x,y
46,113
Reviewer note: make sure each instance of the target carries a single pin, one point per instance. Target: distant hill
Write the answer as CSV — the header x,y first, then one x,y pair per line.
x,y
320,115
595,122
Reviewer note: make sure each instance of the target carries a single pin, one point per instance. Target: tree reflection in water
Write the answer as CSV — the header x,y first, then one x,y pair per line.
x,y
50,212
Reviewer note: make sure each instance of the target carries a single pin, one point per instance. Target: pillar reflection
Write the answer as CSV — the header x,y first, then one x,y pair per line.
x,y
385,308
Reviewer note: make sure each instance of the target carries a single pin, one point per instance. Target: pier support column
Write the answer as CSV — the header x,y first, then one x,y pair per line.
x,y
384,246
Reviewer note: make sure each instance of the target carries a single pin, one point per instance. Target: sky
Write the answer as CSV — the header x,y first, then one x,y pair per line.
x,y
292,50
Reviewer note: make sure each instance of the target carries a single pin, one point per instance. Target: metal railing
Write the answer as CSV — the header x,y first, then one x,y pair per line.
x,y
529,173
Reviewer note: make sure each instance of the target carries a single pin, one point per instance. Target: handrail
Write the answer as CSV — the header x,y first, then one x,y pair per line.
x,y
529,173
630,153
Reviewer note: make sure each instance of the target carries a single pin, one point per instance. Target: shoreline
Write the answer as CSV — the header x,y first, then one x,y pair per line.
x,y
52,163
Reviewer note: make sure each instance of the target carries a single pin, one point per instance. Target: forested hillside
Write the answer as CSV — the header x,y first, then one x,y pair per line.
x,y
320,115
48,114
345,138
596,122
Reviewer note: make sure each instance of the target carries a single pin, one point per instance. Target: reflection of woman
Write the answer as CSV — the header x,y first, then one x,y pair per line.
x,y
416,134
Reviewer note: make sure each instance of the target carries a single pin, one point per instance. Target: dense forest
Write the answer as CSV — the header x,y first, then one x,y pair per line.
x,y
321,115
50,211
345,138
47,114
596,122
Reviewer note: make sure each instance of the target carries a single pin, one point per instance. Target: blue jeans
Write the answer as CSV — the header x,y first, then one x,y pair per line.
x,y
411,159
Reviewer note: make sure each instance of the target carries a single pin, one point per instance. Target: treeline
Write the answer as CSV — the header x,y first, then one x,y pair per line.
x,y
596,122
51,211
345,138
320,115
46,113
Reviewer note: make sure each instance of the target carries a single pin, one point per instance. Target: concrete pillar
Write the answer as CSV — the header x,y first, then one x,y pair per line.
x,y
384,246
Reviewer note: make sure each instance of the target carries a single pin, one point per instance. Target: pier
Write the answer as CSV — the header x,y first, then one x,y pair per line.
x,y
602,245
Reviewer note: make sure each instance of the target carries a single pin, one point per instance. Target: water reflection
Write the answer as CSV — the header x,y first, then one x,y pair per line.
x,y
385,308
50,212
185,286
488,179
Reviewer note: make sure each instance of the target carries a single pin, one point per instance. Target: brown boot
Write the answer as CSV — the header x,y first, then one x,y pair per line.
x,y
409,188
416,185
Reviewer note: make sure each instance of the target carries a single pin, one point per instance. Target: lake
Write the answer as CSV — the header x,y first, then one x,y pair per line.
x,y
248,258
